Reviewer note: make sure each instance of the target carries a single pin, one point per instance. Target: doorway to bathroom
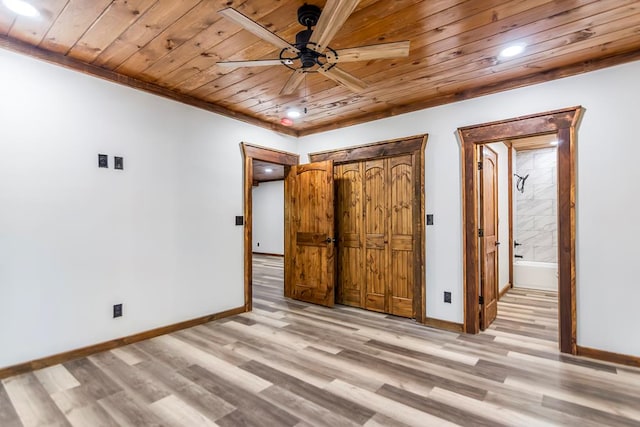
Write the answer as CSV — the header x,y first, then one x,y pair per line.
x,y
562,124
517,238
529,294
534,212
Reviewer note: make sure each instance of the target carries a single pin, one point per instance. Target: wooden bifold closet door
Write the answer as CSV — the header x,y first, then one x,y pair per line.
x,y
376,212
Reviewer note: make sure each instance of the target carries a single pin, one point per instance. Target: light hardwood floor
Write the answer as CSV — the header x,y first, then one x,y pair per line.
x,y
289,363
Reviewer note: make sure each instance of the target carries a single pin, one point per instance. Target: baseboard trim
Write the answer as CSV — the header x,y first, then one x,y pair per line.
x,y
444,324
504,290
268,254
607,356
44,362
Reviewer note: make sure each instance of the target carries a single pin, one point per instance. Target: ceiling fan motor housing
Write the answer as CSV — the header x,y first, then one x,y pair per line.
x,y
308,15
308,57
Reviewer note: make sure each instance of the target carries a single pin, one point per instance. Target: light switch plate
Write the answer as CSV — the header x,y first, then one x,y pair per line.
x,y
117,310
118,163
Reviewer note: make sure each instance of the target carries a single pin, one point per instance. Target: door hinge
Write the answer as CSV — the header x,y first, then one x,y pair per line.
x,y
481,299
479,166
480,232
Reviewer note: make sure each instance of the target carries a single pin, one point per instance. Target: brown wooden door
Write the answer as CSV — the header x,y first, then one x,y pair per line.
x,y
376,235
380,226
388,228
309,233
350,287
488,175
401,217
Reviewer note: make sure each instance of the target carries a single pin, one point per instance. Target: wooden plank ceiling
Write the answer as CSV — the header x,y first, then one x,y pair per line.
x,y
171,48
265,172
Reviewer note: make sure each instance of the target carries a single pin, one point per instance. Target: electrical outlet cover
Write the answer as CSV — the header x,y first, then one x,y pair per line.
x,y
103,161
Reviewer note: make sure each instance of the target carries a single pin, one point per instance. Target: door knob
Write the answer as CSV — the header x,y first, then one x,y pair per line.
x,y
497,243
330,240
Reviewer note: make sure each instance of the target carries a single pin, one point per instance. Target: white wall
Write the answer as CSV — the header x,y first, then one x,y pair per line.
x,y
268,218
158,237
503,213
607,200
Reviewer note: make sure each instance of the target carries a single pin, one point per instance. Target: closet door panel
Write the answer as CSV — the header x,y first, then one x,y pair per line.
x,y
401,207
350,233
376,238
402,284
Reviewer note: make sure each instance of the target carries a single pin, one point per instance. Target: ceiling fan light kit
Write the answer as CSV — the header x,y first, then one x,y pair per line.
x,y
310,53
294,113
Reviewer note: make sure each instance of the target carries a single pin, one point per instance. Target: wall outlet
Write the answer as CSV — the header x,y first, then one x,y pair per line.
x,y
429,219
117,310
447,297
239,220
103,161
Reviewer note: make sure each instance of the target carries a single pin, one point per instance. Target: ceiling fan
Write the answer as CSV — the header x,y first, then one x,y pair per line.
x,y
311,51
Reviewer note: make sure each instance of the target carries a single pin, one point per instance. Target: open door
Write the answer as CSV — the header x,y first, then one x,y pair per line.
x,y
488,233
309,273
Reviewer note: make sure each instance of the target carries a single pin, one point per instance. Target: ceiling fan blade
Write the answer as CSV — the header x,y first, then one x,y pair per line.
x,y
256,63
332,18
294,81
257,29
345,79
366,53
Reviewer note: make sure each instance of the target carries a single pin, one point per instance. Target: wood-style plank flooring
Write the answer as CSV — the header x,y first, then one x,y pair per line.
x,y
294,364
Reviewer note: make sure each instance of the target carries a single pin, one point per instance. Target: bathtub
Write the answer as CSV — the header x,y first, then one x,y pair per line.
x,y
535,275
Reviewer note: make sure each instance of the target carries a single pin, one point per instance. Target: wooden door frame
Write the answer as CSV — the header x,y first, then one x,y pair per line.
x,y
414,145
251,152
564,123
510,152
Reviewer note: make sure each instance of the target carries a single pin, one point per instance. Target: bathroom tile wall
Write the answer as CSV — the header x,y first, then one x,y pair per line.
x,y
535,225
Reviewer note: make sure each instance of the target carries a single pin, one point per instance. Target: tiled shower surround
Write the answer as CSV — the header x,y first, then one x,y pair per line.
x,y
536,219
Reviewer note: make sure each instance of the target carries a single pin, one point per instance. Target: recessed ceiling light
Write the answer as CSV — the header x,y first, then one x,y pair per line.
x,y
21,8
268,170
293,113
512,50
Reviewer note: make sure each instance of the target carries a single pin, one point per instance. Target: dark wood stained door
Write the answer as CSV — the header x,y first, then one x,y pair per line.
x,y
488,175
309,233
350,287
